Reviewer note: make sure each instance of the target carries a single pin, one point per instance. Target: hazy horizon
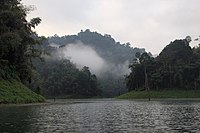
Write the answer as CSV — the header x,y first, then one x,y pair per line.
x,y
149,24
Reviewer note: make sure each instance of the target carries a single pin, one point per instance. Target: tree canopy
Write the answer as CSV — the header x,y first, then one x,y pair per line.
x,y
62,78
177,66
16,41
104,45
109,50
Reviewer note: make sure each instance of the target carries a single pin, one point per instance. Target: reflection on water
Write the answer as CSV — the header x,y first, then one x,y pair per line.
x,y
100,116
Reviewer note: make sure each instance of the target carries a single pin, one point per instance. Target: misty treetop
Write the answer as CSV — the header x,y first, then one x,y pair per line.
x,y
115,56
104,45
176,67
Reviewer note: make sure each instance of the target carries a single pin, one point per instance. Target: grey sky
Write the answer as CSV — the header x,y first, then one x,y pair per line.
x,y
150,24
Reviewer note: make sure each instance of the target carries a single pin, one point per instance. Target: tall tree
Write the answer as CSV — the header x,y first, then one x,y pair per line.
x,y
17,41
177,66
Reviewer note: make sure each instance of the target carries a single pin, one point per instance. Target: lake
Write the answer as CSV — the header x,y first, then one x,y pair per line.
x,y
103,116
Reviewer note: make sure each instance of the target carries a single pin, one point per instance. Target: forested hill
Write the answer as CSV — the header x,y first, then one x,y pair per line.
x,y
104,45
176,67
17,48
110,62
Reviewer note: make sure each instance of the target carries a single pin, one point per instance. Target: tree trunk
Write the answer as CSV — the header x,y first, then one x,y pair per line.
x,y
146,82
170,77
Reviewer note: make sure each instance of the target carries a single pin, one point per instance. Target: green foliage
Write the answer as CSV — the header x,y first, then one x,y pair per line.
x,y
17,48
17,41
136,78
104,45
177,51
62,78
15,92
107,48
177,66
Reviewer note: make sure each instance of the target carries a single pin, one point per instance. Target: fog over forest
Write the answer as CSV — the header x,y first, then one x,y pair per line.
x,y
83,55
99,66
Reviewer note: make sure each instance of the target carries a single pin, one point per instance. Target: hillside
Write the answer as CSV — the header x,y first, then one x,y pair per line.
x,y
104,57
17,49
104,45
177,66
15,92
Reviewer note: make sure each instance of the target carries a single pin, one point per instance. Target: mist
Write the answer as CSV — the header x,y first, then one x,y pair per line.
x,y
83,55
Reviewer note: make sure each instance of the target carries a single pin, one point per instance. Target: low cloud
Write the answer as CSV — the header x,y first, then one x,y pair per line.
x,y
83,55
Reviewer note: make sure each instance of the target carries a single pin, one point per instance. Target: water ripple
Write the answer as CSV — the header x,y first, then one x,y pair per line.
x,y
101,116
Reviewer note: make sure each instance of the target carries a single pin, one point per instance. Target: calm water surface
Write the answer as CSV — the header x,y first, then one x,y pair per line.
x,y
102,116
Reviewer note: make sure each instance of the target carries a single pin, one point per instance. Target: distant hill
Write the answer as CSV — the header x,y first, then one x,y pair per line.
x,y
116,56
104,45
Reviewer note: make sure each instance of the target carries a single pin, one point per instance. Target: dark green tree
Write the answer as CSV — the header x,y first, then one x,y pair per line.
x,y
176,67
62,78
16,41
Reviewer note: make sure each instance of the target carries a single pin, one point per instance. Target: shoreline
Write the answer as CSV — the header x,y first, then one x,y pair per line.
x,y
161,99
161,94
74,101
24,104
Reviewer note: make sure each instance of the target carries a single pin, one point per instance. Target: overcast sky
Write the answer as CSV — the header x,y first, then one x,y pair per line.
x,y
149,24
